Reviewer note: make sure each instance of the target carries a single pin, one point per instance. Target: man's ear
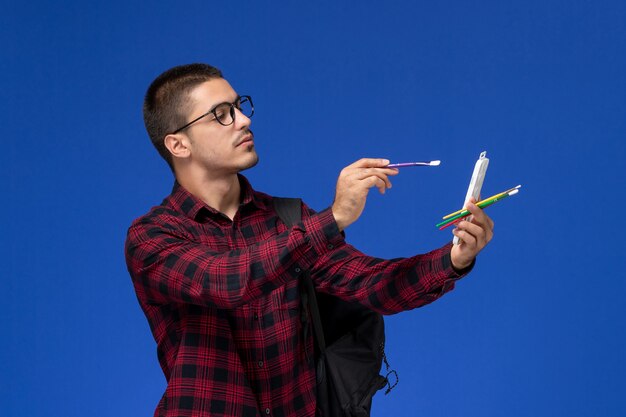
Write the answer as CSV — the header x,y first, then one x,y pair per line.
x,y
178,145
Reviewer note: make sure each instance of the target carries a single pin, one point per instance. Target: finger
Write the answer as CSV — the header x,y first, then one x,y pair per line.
x,y
373,172
370,163
382,186
362,172
478,214
389,171
482,219
488,228
365,172
373,181
477,231
466,237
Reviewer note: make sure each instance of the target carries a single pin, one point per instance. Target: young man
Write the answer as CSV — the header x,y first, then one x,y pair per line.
x,y
216,272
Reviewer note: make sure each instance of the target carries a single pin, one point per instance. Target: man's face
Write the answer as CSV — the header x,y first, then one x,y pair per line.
x,y
219,149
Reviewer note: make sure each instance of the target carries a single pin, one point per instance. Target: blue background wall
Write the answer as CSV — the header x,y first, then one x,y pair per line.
x,y
536,330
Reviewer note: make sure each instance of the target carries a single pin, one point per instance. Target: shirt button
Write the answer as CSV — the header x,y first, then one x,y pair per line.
x,y
297,270
330,246
260,364
267,411
256,316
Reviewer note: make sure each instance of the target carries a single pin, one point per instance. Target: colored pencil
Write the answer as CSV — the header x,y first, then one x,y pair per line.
x,y
483,201
482,204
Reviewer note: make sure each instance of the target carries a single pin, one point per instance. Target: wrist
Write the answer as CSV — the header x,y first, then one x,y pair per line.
x,y
460,267
458,261
341,224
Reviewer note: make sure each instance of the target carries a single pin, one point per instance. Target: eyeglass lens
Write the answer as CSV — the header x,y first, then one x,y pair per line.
x,y
225,112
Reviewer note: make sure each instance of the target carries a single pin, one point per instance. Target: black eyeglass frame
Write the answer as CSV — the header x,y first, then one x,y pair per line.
x,y
237,103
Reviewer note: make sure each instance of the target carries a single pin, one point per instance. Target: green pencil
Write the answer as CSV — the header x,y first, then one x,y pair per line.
x,y
481,204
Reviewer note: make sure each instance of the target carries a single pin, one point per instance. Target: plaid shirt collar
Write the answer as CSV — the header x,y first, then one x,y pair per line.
x,y
183,201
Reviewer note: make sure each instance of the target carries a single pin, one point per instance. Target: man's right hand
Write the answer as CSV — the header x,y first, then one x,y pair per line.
x,y
353,185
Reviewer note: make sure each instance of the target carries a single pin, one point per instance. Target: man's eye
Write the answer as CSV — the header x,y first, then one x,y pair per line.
x,y
222,112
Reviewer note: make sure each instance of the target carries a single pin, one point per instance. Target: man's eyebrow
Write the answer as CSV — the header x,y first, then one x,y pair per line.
x,y
224,102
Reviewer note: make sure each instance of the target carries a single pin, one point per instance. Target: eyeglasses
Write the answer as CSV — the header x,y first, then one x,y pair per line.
x,y
224,113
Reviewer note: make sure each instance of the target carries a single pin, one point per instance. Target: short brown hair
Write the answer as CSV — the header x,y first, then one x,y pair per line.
x,y
166,102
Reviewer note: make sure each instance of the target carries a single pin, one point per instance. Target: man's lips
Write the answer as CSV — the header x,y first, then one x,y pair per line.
x,y
247,138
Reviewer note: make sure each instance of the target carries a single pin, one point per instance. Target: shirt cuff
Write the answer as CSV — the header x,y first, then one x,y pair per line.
x,y
446,261
449,271
322,232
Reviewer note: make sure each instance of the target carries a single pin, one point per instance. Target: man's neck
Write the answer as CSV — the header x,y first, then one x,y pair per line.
x,y
221,193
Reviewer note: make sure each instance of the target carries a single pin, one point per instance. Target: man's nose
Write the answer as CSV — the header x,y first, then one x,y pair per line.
x,y
241,120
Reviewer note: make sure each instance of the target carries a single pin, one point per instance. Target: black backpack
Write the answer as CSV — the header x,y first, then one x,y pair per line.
x,y
350,341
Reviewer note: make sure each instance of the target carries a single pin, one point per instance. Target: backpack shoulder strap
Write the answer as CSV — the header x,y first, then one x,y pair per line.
x,y
290,212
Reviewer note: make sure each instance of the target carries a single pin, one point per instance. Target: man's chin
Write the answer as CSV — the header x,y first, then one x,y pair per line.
x,y
251,163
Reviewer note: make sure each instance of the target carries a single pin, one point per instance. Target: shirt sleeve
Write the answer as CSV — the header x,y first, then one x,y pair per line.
x,y
167,265
386,286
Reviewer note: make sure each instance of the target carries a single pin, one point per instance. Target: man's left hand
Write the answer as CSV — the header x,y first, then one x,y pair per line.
x,y
474,234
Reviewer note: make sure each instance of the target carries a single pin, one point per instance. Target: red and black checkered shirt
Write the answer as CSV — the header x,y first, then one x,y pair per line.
x,y
222,299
